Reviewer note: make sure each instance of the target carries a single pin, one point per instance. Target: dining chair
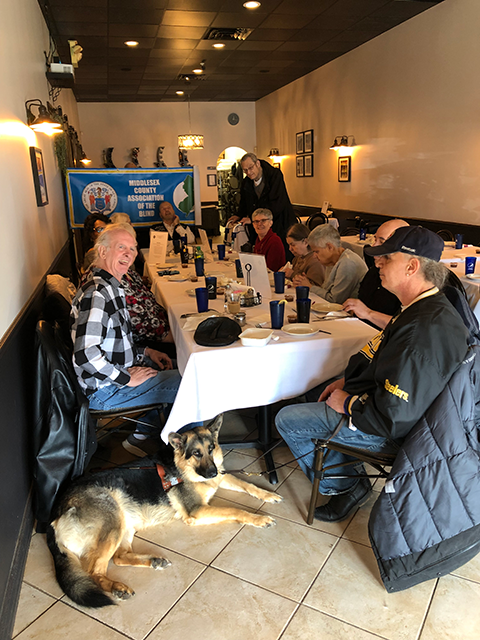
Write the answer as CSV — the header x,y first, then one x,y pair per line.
x,y
316,219
446,235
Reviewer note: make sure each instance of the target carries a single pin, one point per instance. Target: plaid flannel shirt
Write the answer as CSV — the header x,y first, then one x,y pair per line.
x,y
103,348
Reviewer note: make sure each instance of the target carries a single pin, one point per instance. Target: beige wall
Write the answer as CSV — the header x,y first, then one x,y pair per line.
x,y
31,236
411,98
150,125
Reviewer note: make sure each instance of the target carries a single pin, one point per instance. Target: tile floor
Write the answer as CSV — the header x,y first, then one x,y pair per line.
x,y
232,582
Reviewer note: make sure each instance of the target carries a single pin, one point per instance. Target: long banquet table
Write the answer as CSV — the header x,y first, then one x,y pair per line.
x,y
236,377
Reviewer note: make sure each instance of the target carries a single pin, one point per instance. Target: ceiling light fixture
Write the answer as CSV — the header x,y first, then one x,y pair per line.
x,y
341,142
179,93
131,43
200,69
190,140
251,4
43,123
218,45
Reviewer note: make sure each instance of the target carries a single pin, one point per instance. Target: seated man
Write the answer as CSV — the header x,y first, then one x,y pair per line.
x,y
375,304
347,269
171,224
111,370
391,382
268,244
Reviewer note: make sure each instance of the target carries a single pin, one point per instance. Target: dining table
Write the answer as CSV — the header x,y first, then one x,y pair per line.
x,y
218,379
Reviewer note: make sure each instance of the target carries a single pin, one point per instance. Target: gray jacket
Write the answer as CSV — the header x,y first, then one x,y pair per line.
x,y
344,279
426,522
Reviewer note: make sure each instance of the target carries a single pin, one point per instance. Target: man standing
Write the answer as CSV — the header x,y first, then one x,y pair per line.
x,y
111,370
391,382
264,188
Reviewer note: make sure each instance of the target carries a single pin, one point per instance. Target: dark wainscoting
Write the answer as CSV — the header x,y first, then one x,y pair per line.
x,y
349,219
16,385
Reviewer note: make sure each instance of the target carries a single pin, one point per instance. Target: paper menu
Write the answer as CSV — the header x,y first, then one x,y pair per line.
x,y
204,242
158,247
258,273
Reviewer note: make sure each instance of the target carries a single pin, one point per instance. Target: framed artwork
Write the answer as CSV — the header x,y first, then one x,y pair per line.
x,y
300,167
39,179
211,179
300,142
308,166
344,168
308,141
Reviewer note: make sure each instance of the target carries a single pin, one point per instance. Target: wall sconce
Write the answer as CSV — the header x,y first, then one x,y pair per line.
x,y
342,143
84,160
43,123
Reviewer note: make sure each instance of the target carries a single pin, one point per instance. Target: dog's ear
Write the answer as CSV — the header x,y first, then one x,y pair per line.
x,y
214,426
177,440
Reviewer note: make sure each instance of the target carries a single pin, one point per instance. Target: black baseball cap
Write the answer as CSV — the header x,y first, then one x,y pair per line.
x,y
415,241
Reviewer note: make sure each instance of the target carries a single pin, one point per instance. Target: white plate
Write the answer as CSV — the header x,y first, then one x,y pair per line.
x,y
300,329
256,337
176,279
190,292
326,306
473,276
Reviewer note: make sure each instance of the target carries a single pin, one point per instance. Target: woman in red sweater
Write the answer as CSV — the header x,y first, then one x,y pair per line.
x,y
268,244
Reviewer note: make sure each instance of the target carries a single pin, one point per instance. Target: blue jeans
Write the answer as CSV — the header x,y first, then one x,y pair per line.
x,y
300,423
160,389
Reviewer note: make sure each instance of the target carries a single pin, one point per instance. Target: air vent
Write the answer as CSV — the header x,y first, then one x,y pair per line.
x,y
238,33
190,77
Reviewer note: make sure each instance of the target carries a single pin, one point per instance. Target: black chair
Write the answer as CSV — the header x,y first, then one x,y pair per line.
x,y
446,235
64,435
316,219
350,231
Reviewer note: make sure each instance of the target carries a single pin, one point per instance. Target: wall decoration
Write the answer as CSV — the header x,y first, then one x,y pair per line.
x,y
211,179
300,167
39,180
344,168
300,142
308,166
308,141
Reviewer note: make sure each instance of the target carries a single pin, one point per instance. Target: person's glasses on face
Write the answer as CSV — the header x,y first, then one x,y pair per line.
x,y
249,169
261,220
98,229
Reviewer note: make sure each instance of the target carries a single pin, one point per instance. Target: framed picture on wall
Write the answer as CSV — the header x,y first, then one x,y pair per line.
x,y
300,142
300,167
344,168
211,179
308,141
39,179
308,166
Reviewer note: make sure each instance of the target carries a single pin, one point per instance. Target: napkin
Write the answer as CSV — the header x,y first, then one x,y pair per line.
x,y
191,324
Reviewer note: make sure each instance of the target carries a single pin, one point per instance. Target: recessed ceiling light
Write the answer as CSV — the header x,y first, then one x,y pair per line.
x,y
197,71
251,4
179,93
218,45
131,43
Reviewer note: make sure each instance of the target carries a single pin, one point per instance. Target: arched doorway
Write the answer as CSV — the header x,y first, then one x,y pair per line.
x,y
229,178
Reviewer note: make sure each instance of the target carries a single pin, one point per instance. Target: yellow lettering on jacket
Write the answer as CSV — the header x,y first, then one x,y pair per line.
x,y
394,390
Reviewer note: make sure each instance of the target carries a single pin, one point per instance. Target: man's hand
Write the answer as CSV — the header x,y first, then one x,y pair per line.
x,y
327,392
245,221
301,280
139,375
336,400
233,219
162,361
358,307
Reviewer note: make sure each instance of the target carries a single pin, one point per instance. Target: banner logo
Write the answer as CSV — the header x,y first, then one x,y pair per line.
x,y
99,197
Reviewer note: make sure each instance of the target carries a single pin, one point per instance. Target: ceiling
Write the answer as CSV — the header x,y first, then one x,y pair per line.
x,y
287,39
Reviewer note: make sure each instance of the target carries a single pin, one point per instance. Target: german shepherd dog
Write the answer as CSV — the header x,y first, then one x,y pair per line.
x,y
95,520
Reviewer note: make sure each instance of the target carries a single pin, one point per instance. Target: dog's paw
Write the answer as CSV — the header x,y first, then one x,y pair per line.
x,y
122,592
190,521
264,522
273,497
159,563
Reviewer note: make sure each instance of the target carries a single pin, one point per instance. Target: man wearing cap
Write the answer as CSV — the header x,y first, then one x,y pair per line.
x,y
391,382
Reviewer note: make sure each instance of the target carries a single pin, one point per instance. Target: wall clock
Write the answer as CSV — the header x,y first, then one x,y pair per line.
x,y
233,118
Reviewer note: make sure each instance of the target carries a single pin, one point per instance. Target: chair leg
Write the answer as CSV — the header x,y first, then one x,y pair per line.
x,y
317,465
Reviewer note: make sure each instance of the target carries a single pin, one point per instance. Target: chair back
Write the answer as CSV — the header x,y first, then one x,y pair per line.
x,y
316,219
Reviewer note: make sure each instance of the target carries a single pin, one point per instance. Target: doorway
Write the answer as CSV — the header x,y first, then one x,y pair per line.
x,y
229,180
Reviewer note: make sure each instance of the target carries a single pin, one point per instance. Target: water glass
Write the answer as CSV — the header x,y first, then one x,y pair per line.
x,y
211,284
221,251
470,264
303,310
277,311
302,292
201,294
279,280
199,267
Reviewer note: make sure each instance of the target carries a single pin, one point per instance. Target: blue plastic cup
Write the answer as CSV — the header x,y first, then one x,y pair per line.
x,y
363,234
459,241
470,264
279,280
199,267
277,311
221,251
201,294
302,292
177,245
303,310
211,284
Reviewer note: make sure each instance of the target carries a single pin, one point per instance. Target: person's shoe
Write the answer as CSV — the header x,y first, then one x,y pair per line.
x,y
141,448
339,507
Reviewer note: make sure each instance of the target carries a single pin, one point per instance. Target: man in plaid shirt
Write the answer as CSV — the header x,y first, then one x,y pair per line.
x,y
111,370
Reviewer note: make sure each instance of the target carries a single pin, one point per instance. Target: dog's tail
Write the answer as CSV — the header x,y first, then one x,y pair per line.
x,y
75,582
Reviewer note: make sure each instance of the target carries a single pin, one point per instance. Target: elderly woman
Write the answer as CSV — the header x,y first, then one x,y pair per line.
x,y
268,244
305,262
347,271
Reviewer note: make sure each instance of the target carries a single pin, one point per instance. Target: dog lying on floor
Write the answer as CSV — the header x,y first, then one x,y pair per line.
x,y
96,518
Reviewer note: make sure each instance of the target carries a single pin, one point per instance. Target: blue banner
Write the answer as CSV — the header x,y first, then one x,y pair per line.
x,y
137,192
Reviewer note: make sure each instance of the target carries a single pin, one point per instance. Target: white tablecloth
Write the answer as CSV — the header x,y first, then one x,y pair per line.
x,y
451,256
235,377
355,244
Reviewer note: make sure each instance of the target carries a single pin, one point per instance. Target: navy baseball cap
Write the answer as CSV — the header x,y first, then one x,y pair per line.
x,y
415,241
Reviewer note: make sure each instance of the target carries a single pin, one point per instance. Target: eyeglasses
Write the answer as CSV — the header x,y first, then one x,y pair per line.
x,y
249,169
261,220
99,229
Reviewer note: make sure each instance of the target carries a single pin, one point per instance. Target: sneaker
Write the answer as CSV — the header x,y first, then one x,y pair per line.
x,y
141,448
339,507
